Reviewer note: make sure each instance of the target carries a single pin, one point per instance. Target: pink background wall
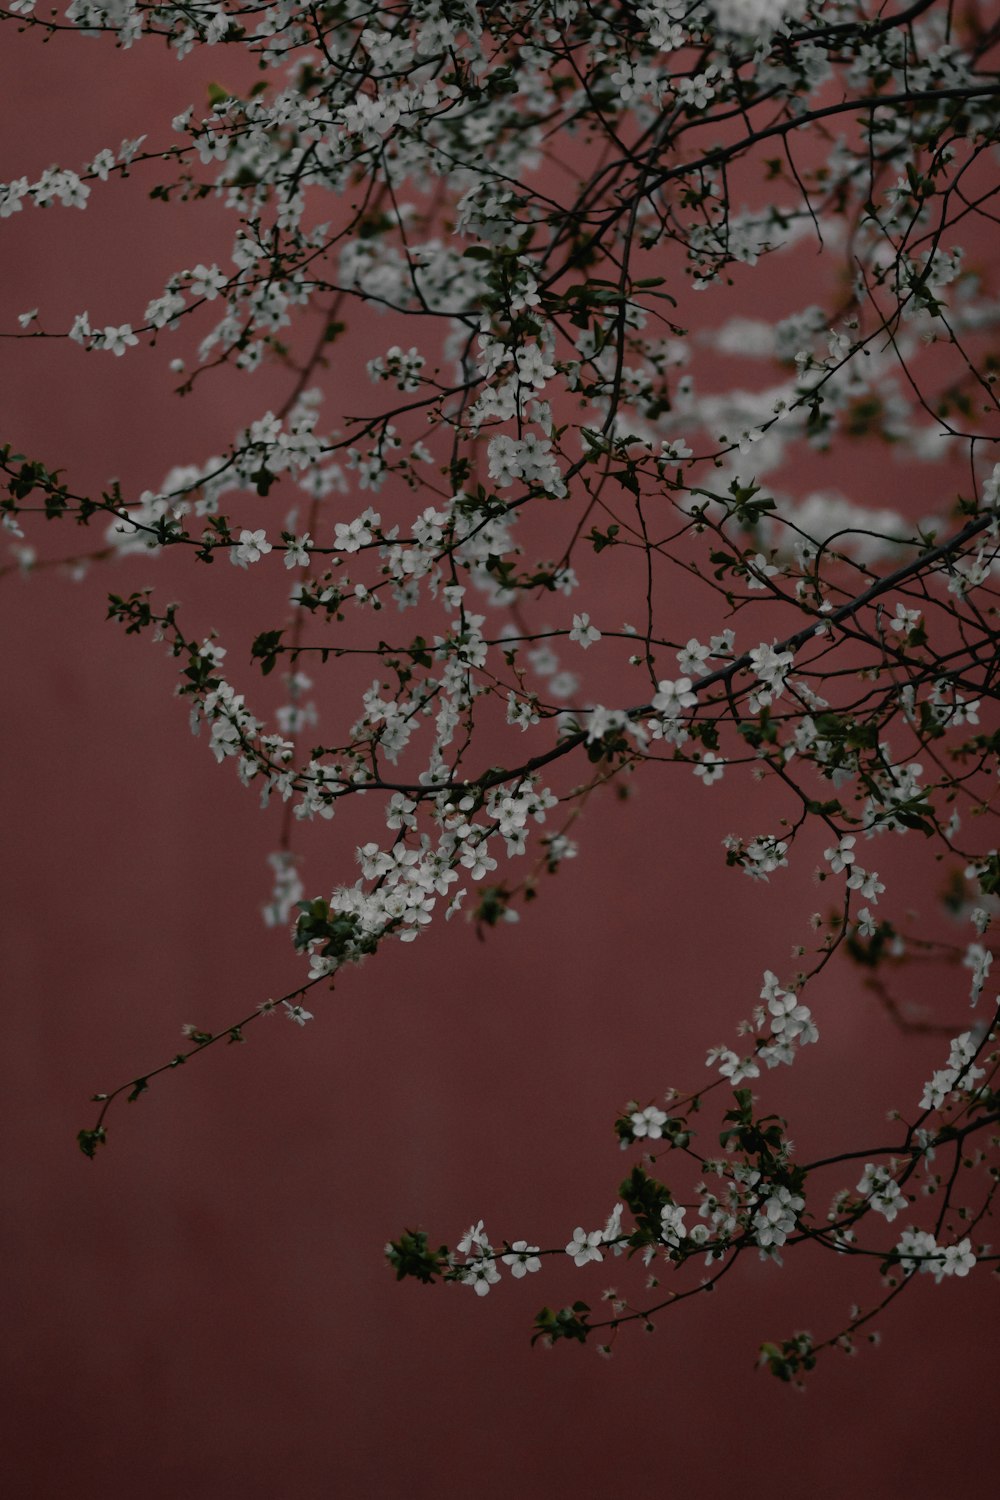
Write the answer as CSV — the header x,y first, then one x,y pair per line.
x,y
204,1310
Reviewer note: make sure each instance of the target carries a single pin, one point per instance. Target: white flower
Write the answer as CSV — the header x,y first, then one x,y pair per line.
x,y
692,658
523,1259
672,698
672,1229
252,547
563,685
916,1250
960,1072
865,881
842,856
791,1021
584,632
751,18
12,193
919,1251
353,535
771,666
164,311
81,329
648,1123
937,1088
881,1190
481,1273
522,711
207,282
503,464
613,1228
771,986
297,1014
297,551
978,959
474,1236
957,1260
710,768
734,1067
103,164
583,1246
759,569
775,1219
117,340
760,857
904,619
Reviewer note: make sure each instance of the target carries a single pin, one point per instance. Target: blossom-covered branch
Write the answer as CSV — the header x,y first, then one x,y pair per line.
x,y
545,222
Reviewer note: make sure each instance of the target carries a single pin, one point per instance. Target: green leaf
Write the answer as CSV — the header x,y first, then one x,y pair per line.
x,y
913,820
602,539
411,1255
645,1199
786,1360
265,649
988,876
568,1323
492,906
89,1140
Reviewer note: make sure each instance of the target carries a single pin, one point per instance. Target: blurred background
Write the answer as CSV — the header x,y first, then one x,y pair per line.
x,y
205,1309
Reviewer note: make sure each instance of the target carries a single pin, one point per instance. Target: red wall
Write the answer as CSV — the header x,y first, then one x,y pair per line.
x,y
204,1310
